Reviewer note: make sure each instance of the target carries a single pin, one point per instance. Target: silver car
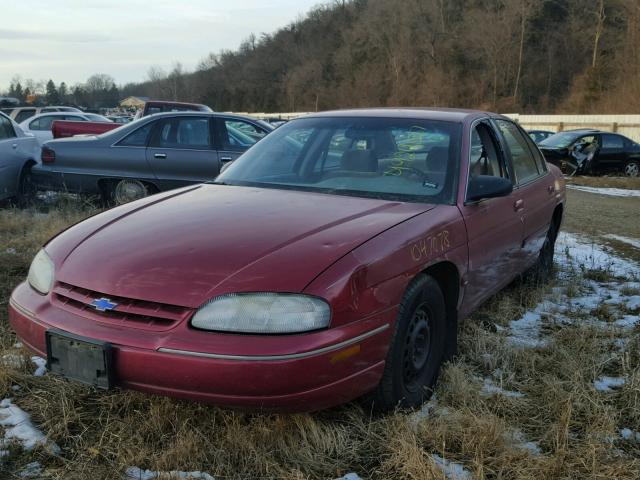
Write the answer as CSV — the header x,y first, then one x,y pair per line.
x,y
18,153
156,153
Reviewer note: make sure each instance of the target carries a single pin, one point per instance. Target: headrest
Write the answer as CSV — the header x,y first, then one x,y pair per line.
x,y
359,161
438,157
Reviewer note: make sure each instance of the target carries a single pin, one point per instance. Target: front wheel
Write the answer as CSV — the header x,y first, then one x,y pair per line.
x,y
417,347
632,168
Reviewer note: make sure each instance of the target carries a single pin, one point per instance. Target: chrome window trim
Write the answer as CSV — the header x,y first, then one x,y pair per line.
x,y
291,356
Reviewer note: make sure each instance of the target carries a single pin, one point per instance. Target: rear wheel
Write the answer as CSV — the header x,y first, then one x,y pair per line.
x,y
417,348
632,168
26,193
542,271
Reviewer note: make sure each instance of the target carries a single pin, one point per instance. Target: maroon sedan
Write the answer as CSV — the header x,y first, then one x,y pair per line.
x,y
333,259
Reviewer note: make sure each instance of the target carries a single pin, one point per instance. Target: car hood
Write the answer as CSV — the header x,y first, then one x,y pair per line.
x,y
188,246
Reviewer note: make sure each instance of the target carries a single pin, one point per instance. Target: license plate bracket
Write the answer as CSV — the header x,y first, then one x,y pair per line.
x,y
79,358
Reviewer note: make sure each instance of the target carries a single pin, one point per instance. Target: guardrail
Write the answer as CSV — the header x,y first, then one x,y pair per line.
x,y
628,125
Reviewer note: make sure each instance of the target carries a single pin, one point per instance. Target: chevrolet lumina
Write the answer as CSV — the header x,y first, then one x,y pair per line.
x,y
333,260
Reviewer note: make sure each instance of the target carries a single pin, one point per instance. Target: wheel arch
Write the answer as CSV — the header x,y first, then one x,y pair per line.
x,y
448,277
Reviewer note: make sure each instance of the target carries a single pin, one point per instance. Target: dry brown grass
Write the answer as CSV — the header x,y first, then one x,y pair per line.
x,y
606,181
575,426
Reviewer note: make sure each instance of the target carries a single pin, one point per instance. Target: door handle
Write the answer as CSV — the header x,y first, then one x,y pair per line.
x,y
226,159
160,155
518,205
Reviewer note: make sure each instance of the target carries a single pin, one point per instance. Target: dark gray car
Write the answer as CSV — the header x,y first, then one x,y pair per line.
x,y
156,153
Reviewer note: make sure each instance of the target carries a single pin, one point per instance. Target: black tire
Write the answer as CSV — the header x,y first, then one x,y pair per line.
x,y
542,270
417,348
26,194
632,168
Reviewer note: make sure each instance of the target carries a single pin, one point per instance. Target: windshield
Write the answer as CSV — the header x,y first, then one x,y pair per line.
x,y
399,159
560,140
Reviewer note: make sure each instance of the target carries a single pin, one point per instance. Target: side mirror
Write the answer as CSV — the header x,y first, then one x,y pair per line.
x,y
487,186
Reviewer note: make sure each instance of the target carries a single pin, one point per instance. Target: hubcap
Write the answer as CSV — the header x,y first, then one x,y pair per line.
x,y
632,169
417,347
128,191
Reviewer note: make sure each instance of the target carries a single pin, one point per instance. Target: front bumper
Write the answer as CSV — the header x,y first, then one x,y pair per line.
x,y
286,373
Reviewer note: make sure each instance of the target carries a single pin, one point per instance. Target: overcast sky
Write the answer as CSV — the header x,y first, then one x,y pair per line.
x,y
69,40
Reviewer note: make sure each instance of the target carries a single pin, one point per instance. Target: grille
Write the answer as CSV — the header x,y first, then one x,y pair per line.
x,y
129,311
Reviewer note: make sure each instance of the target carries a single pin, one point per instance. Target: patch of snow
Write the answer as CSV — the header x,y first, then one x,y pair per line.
x,y
451,470
10,251
517,438
633,302
18,426
350,476
41,366
607,384
614,192
627,321
15,388
31,470
135,473
628,434
634,242
18,345
576,250
12,360
490,388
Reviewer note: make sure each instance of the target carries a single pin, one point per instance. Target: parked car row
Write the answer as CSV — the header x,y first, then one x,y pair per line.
x,y
18,153
334,259
153,154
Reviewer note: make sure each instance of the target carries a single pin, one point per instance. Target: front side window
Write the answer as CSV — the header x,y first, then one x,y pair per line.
x,y
388,158
240,135
524,165
182,132
6,128
485,157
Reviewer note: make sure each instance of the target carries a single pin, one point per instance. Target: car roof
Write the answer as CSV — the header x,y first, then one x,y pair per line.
x,y
191,113
51,114
428,113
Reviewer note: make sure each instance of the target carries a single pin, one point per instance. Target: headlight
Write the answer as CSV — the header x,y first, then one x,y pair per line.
x,y
41,272
263,313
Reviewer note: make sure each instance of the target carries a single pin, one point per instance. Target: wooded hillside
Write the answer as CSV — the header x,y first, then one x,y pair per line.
x,y
568,56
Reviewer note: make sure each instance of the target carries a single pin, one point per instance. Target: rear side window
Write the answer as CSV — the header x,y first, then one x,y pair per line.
x,y
612,142
6,129
524,165
44,123
137,138
24,114
182,132
538,157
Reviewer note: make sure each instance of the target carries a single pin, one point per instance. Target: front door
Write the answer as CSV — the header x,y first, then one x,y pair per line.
x,y
181,151
495,226
235,137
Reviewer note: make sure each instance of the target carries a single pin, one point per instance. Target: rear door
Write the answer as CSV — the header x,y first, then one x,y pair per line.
x,y
10,159
534,187
235,136
181,150
495,226
612,152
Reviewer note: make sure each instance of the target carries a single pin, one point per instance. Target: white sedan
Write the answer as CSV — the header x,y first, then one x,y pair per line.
x,y
40,125
19,151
